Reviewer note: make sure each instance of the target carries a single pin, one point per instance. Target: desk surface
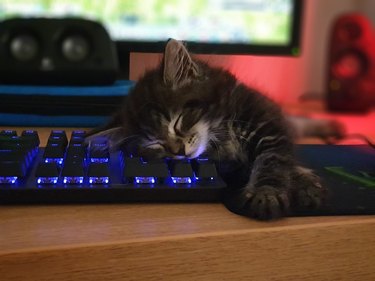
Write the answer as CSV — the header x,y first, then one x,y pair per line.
x,y
179,242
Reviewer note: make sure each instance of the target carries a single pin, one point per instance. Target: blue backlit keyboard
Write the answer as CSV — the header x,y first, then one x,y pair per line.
x,y
69,171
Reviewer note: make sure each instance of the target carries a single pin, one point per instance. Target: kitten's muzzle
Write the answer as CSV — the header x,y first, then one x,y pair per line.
x,y
177,150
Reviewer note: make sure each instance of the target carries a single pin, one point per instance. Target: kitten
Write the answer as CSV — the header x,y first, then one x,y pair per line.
x,y
185,108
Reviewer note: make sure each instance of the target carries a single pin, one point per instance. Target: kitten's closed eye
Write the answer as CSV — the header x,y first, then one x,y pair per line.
x,y
155,145
195,104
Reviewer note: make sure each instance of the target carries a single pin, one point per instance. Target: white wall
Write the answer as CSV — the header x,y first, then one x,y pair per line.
x,y
283,78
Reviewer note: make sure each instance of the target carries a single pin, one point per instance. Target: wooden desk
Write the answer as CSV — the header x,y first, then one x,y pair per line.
x,y
179,242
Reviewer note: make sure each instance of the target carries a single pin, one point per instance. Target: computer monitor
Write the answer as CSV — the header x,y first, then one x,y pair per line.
x,y
262,27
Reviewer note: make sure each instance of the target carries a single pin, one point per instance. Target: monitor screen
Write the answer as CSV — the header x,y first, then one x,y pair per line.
x,y
208,26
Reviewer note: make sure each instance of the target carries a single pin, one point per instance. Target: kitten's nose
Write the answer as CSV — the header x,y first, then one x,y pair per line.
x,y
178,150
181,151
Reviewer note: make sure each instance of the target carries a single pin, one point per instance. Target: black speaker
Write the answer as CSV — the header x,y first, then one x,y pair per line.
x,y
47,51
351,64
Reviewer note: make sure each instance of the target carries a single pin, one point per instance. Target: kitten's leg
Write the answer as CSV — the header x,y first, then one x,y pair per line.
x,y
322,128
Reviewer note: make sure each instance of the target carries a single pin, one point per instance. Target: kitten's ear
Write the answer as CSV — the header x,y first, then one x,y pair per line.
x,y
178,67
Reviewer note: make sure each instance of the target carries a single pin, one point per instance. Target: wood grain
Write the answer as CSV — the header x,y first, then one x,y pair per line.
x,y
178,242
341,250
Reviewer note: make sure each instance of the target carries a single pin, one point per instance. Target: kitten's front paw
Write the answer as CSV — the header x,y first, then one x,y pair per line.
x,y
267,203
309,193
263,203
309,197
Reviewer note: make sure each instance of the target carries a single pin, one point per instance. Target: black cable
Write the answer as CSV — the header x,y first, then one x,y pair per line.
x,y
350,136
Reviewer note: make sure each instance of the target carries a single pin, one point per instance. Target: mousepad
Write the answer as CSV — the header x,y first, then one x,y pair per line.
x,y
349,173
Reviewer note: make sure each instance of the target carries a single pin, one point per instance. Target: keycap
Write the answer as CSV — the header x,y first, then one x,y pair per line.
x,y
139,171
76,140
47,173
73,173
8,133
12,169
15,142
76,151
99,156
77,137
78,133
98,150
132,168
32,135
57,139
98,173
181,171
12,155
54,153
59,133
156,167
204,169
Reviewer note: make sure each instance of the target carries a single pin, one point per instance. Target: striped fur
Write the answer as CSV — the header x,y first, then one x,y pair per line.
x,y
185,108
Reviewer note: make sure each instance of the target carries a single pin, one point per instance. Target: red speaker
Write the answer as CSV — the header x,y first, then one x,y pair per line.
x,y
351,64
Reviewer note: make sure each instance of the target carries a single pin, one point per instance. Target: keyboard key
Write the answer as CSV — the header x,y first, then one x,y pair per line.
x,y
204,169
78,133
8,179
12,155
8,133
32,136
76,140
77,137
132,167
98,151
47,170
73,173
47,173
75,153
59,133
15,142
54,153
98,173
181,171
12,169
99,156
155,167
139,171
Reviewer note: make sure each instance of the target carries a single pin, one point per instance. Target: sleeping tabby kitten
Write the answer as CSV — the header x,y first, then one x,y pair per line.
x,y
185,108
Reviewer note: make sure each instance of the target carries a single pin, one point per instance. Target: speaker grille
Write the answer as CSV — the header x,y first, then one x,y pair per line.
x,y
56,52
351,64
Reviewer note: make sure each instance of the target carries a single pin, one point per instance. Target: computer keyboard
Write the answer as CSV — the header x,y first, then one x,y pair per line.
x,y
67,170
70,171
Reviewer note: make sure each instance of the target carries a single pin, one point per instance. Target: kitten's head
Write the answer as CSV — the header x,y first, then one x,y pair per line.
x,y
174,109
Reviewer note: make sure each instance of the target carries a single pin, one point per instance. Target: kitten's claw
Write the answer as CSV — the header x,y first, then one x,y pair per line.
x,y
267,203
309,198
309,192
263,203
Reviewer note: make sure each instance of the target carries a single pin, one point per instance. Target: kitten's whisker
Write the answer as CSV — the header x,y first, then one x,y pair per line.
x,y
229,135
104,133
150,144
217,149
119,142
236,120
148,102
